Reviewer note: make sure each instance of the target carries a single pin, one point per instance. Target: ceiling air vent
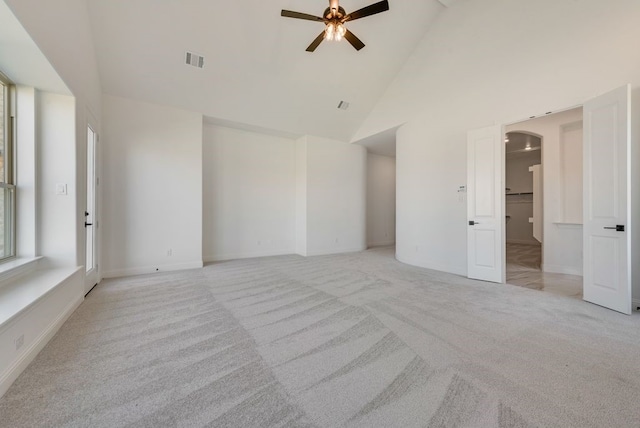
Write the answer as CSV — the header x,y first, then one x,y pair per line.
x,y
195,60
343,105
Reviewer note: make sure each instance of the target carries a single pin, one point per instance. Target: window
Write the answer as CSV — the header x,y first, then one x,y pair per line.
x,y
7,178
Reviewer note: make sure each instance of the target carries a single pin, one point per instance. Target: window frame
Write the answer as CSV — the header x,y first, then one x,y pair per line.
x,y
9,179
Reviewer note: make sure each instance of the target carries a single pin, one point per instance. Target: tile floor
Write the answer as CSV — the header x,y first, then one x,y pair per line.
x,y
523,269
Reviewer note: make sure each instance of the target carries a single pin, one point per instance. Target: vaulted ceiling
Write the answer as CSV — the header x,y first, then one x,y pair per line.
x,y
256,70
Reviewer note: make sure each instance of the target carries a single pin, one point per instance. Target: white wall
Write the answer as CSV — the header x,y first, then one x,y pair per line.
x,y
301,196
57,218
518,178
381,200
152,184
336,196
562,243
249,194
266,195
431,218
472,70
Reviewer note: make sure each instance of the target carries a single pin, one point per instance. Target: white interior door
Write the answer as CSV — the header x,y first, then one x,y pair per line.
x,y
485,209
90,214
607,241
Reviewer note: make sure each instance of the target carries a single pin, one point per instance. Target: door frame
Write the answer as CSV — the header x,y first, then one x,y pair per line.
x,y
633,222
504,170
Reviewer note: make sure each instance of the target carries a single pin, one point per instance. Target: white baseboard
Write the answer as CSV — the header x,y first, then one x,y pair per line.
x,y
11,374
116,273
567,270
328,251
248,255
433,265
380,244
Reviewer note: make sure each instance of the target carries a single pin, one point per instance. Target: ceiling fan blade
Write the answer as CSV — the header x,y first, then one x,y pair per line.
x,y
312,47
367,11
299,15
355,42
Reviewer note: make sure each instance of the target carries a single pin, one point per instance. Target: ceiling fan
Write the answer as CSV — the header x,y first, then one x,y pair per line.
x,y
334,18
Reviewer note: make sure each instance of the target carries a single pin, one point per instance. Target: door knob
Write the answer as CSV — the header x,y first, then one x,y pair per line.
x,y
87,224
471,223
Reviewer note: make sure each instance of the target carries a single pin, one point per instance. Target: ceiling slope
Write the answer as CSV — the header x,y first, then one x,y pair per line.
x,y
256,70
21,59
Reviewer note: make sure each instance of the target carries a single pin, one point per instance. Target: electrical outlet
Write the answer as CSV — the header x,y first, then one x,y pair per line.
x,y
169,252
19,342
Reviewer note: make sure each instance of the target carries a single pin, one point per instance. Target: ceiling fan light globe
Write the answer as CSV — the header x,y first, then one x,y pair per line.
x,y
330,31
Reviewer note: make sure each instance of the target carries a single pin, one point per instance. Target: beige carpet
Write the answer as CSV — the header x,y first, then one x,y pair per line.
x,y
355,340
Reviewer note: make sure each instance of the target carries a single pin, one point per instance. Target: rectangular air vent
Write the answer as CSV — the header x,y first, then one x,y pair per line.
x,y
343,105
195,60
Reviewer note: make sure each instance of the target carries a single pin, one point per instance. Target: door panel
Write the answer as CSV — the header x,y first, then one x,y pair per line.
x,y
607,251
607,242
484,169
485,239
90,217
485,210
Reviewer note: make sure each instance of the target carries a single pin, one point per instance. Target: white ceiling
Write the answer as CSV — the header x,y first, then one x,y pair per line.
x,y
21,60
383,143
257,71
518,141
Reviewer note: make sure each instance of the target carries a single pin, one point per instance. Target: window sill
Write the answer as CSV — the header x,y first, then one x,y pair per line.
x,y
16,267
21,293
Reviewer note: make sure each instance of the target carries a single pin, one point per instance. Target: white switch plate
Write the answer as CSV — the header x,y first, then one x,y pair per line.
x,y
61,189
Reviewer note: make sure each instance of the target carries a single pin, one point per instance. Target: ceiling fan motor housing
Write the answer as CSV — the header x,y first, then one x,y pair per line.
x,y
340,13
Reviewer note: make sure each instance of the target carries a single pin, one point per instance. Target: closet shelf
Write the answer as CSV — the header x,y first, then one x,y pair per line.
x,y
520,193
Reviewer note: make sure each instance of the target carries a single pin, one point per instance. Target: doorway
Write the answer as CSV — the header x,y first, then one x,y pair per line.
x,y
523,213
543,203
608,168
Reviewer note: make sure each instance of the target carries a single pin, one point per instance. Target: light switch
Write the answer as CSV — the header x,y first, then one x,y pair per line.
x,y
61,189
